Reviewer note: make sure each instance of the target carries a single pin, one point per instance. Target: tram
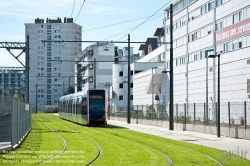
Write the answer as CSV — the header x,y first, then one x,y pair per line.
x,y
84,107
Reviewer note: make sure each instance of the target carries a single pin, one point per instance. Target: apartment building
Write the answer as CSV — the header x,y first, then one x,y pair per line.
x,y
200,25
52,62
12,80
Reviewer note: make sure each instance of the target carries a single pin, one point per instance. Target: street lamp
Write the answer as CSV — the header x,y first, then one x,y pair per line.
x,y
153,83
218,111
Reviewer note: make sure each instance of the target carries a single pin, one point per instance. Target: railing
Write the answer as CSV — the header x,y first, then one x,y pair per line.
x,y
15,123
234,117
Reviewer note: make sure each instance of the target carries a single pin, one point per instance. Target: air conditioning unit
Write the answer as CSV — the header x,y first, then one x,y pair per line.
x,y
210,69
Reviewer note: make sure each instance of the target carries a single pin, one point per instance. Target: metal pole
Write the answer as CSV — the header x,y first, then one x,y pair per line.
x,y
194,114
206,109
245,115
152,94
185,118
109,102
204,114
218,114
94,74
27,68
69,84
128,78
171,112
229,122
36,98
63,86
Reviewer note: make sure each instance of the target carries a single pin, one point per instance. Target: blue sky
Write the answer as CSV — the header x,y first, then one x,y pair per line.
x,y
94,13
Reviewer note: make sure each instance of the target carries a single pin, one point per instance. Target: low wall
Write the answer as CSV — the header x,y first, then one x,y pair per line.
x,y
234,132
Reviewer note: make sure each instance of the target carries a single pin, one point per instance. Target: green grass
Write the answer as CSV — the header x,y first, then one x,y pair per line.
x,y
119,147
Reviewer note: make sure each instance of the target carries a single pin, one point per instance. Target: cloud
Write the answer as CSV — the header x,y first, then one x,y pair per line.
x,y
31,9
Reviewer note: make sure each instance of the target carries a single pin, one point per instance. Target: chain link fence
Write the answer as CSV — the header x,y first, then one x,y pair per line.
x,y
15,122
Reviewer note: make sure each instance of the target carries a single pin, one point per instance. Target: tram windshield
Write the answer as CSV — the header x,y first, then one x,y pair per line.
x,y
97,100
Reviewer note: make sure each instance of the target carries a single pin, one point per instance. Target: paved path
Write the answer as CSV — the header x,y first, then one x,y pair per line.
x,y
240,146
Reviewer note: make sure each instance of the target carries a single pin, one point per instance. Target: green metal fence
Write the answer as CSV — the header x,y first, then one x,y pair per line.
x,y
15,122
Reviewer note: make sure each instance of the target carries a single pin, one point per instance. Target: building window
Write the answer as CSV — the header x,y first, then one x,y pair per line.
x,y
121,85
48,26
120,97
131,97
219,25
131,85
237,17
194,36
202,54
204,9
218,2
228,46
90,52
121,73
210,5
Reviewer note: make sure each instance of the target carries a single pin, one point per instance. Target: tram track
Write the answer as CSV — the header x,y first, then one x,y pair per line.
x,y
168,158
99,153
170,163
208,156
97,144
59,153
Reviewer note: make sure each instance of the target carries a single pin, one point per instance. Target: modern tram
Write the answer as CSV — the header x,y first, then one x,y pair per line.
x,y
84,107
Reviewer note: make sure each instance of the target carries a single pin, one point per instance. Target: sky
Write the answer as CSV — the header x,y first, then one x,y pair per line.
x,y
91,15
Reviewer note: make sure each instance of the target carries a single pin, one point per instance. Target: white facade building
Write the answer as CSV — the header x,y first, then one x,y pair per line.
x,y
46,70
102,71
120,79
222,25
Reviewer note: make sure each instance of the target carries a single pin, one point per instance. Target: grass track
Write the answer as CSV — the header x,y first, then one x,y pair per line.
x,y
119,147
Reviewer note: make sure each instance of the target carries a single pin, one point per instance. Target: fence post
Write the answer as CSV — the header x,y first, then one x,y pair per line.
x,y
194,114
162,112
176,113
204,121
11,123
245,114
229,119
137,115
185,118
216,114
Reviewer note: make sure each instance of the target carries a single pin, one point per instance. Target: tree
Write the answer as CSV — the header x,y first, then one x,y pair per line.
x,y
71,90
150,112
20,97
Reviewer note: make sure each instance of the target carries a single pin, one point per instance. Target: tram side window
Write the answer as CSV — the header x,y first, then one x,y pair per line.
x,y
78,106
84,106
